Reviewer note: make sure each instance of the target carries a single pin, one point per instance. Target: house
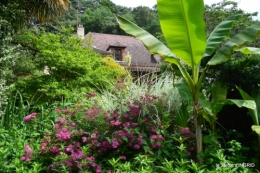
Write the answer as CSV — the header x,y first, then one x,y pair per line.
x,y
120,47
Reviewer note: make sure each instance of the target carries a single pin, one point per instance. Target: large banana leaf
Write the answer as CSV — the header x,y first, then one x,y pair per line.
x,y
219,33
184,92
253,112
184,28
249,50
237,42
151,43
219,92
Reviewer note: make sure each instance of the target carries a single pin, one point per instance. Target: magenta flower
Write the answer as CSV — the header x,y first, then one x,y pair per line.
x,y
134,124
98,169
73,124
123,157
62,120
68,162
84,139
23,158
63,134
28,118
55,150
136,146
134,110
28,153
56,126
115,143
77,155
92,112
58,110
160,137
153,137
115,123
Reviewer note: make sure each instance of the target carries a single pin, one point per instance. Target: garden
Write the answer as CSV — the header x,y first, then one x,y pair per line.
x,y
65,108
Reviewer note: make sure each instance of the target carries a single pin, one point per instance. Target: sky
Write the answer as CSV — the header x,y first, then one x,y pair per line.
x,y
245,5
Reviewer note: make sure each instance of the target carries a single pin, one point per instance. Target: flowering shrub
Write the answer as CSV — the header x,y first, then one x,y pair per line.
x,y
84,136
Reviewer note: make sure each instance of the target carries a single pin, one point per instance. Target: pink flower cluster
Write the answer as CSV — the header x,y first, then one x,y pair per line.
x,y
123,131
63,134
186,133
156,141
28,118
28,153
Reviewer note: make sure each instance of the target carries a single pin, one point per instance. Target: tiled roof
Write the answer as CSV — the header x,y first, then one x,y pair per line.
x,y
140,55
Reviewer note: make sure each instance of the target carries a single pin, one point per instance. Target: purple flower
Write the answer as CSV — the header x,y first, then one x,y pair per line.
x,y
55,150
126,125
29,117
126,116
77,155
84,139
68,162
23,158
115,143
90,158
56,126
92,112
63,134
62,120
134,124
69,149
153,137
115,123
123,157
123,133
136,146
73,124
160,137
134,110
28,153
58,110
98,169
158,145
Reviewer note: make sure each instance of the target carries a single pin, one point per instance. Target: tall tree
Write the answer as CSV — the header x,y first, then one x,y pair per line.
x,y
14,14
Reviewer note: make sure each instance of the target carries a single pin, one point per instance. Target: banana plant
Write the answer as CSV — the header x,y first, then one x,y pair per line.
x,y
253,105
184,30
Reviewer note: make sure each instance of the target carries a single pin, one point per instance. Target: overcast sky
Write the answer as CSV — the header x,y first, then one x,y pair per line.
x,y
246,5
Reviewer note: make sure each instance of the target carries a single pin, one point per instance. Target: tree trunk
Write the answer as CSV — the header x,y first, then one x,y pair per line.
x,y
198,132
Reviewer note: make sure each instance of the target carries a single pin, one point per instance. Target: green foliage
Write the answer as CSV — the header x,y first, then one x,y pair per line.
x,y
112,64
100,20
9,58
217,12
87,137
186,45
60,67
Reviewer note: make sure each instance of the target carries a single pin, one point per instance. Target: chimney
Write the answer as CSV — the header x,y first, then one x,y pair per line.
x,y
80,31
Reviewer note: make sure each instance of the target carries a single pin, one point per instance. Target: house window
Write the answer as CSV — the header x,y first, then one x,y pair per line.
x,y
118,54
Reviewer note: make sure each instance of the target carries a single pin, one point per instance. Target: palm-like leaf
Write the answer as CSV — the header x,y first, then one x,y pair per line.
x,y
237,42
219,33
46,10
154,46
184,28
151,43
249,50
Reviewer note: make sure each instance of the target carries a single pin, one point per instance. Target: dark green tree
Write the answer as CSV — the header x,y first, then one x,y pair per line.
x,y
59,67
